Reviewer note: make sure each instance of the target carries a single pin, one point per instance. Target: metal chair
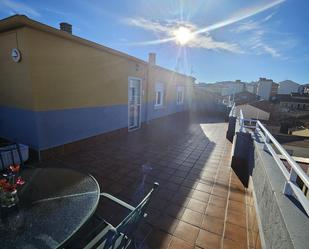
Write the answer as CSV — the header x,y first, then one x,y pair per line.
x,y
8,151
106,236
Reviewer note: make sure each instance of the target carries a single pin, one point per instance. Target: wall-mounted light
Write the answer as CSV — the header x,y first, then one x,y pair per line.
x,y
16,55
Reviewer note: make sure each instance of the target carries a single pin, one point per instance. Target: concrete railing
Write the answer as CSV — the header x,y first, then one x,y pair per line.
x,y
231,124
290,187
232,111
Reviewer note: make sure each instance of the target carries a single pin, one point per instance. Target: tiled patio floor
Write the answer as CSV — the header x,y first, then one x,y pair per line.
x,y
200,202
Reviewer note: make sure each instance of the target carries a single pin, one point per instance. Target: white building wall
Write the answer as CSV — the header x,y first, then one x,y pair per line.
x,y
251,88
252,112
232,88
287,87
264,89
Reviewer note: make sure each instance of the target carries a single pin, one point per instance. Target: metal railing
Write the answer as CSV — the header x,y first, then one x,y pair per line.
x,y
232,111
290,186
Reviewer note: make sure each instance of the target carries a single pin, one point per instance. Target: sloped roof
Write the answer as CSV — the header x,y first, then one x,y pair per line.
x,y
245,97
298,98
263,105
289,82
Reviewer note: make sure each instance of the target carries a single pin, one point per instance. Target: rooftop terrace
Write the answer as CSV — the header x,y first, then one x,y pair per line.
x,y
200,203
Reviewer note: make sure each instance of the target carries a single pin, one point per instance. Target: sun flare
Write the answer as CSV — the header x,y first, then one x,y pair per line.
x,y
183,35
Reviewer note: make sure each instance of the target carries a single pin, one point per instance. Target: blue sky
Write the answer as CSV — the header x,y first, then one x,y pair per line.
x,y
237,39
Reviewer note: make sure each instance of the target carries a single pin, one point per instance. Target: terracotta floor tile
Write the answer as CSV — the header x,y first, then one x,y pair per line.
x,y
236,233
221,192
171,186
201,196
213,224
165,194
181,199
174,210
230,244
189,157
197,206
163,177
237,196
215,211
179,244
204,187
158,204
207,179
237,207
158,240
152,215
167,223
177,180
208,240
252,238
180,173
258,244
192,177
218,201
236,218
192,217
237,188
189,183
186,232
185,191
142,231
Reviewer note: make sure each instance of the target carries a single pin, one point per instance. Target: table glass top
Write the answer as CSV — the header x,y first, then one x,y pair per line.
x,y
54,203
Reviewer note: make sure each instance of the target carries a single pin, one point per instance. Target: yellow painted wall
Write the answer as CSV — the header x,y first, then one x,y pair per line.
x,y
15,84
66,74
171,80
56,73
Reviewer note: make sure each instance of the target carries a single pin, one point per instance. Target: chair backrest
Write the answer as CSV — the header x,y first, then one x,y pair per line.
x,y
119,237
131,221
10,154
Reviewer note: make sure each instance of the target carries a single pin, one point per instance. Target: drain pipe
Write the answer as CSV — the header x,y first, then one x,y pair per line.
x,y
151,63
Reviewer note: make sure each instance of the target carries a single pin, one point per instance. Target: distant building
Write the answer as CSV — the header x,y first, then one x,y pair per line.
x,y
243,98
261,110
287,87
252,87
266,88
293,102
296,145
304,132
226,88
205,100
303,89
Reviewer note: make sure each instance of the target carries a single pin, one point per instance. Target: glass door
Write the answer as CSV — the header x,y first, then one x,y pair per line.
x,y
134,103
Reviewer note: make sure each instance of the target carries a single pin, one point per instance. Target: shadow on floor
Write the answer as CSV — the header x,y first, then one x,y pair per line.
x,y
200,202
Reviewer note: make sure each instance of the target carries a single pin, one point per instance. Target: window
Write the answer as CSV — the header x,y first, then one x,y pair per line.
x,y
159,94
158,98
180,95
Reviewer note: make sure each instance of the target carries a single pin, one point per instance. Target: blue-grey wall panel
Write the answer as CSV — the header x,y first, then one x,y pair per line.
x,y
47,129
65,126
19,125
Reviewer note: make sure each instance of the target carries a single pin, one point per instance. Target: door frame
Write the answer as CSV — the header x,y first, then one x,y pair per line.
x,y
140,109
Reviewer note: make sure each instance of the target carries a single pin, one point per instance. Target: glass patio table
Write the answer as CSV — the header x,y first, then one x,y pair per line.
x,y
53,205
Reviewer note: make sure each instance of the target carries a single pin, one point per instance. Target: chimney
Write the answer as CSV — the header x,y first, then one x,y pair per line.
x,y
66,27
152,58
